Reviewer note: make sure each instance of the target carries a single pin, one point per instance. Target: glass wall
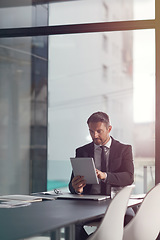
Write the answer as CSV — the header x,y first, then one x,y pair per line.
x,y
23,104
73,12
15,117
106,72
23,13
110,71
23,118
92,11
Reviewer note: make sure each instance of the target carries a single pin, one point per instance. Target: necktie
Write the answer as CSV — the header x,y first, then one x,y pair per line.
x,y
104,166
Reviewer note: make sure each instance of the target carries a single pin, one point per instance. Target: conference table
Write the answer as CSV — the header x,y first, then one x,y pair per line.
x,y
49,216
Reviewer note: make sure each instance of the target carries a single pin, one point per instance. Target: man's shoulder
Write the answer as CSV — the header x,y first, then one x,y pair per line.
x,y
86,146
120,144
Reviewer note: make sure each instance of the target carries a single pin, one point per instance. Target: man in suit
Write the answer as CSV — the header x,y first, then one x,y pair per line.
x,y
119,169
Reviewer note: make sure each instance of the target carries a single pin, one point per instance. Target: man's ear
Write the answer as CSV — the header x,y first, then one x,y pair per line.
x,y
109,128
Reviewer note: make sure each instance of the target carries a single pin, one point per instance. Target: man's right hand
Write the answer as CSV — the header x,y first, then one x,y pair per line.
x,y
78,183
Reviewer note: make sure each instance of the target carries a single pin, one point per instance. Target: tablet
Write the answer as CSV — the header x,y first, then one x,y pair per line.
x,y
85,167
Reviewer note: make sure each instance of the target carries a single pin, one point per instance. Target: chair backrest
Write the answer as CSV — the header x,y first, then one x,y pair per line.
x,y
111,227
146,223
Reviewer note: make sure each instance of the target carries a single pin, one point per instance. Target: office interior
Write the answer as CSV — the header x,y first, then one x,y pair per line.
x,y
60,61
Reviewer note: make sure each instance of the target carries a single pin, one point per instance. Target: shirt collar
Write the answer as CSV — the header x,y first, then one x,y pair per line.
x,y
108,144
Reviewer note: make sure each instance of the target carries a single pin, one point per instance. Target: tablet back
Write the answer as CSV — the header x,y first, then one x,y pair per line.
x,y
85,167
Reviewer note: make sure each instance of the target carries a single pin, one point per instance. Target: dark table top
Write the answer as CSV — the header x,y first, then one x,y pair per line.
x,y
40,217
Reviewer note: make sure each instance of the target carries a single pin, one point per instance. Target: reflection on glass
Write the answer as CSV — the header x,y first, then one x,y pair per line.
x,y
88,74
14,14
15,68
23,101
91,11
71,12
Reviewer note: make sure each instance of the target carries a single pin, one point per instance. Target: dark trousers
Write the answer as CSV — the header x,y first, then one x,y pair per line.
x,y
82,235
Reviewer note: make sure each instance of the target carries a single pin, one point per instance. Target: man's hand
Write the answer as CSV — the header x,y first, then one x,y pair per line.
x,y
101,175
78,183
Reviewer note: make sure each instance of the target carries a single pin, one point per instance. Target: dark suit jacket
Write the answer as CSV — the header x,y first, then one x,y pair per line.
x,y
120,166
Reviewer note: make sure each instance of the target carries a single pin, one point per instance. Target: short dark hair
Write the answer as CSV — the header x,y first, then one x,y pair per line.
x,y
99,117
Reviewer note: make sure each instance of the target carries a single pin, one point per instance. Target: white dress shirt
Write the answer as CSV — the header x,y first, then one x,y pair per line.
x,y
96,188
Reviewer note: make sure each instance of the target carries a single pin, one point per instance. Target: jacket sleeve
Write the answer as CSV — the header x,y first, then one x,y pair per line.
x,y
71,189
124,173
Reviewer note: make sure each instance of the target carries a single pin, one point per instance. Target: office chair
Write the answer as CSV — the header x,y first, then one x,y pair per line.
x,y
146,223
111,226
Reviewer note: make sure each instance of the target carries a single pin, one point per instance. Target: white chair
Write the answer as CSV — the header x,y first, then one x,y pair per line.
x,y
146,223
111,226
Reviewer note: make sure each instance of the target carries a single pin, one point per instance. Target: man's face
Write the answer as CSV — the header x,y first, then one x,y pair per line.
x,y
99,132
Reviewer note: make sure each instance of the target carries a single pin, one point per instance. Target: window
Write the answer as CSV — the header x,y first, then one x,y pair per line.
x,y
57,67
115,90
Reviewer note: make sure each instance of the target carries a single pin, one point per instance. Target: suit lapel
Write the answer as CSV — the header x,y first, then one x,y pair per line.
x,y
91,150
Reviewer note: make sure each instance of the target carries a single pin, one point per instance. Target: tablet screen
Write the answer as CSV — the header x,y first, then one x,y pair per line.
x,y
85,167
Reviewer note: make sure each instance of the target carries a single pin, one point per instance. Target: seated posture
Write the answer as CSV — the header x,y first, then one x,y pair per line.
x,y
113,161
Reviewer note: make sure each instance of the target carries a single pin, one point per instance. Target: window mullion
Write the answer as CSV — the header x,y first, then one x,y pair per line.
x,y
157,125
